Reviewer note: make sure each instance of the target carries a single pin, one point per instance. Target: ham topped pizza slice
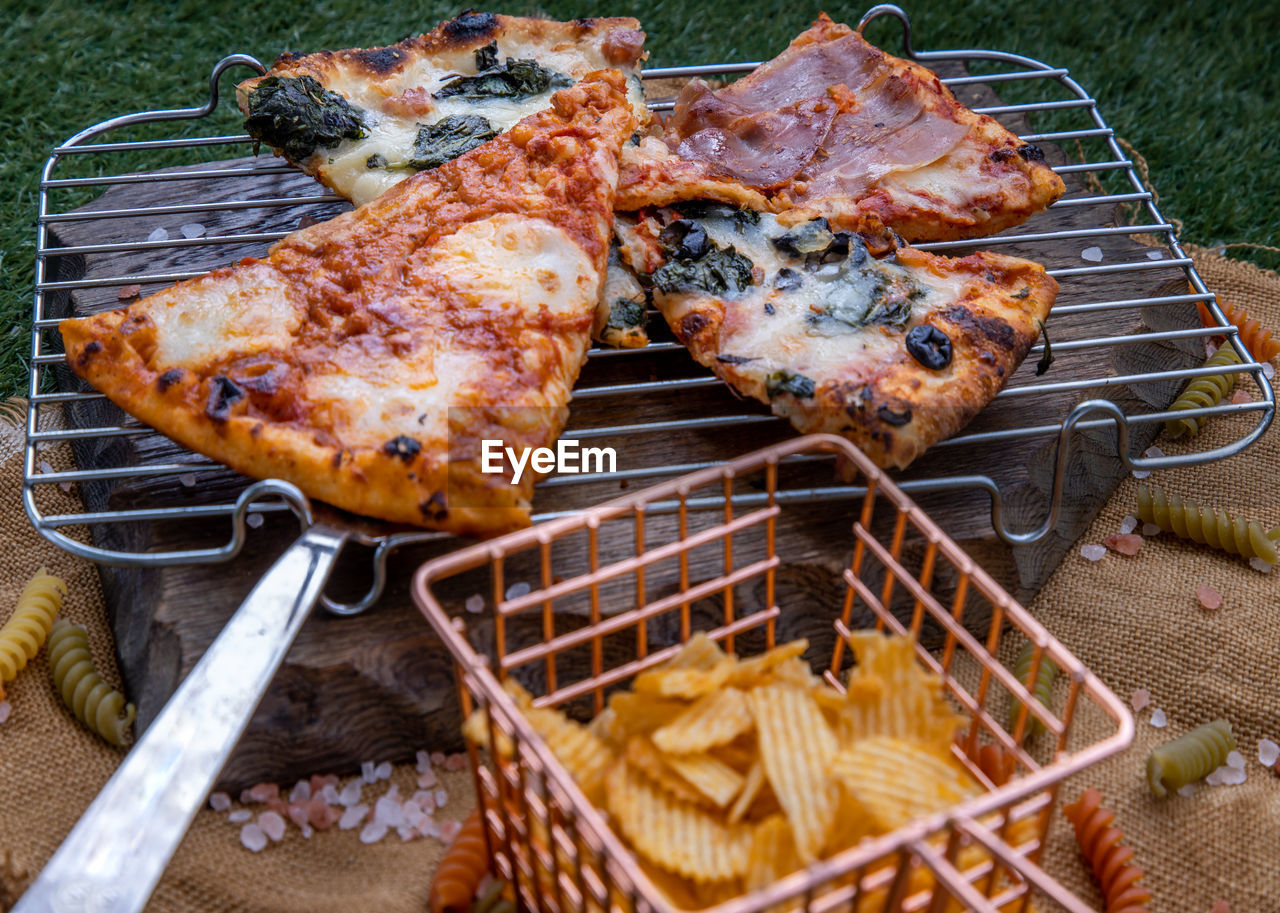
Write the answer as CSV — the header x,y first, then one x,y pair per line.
x,y
895,352
836,128
363,119
366,358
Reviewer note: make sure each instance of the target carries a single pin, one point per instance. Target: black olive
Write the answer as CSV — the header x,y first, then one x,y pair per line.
x,y
787,279
406,448
223,394
889,417
929,346
1031,153
686,240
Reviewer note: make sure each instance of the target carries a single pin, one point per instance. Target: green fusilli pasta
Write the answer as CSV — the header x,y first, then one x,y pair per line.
x,y
95,703
1186,759
1041,688
1201,393
1217,528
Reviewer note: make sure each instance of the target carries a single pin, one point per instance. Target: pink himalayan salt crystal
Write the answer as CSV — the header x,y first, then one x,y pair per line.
x,y
441,798
1124,543
1188,790
352,817
1209,597
373,832
272,825
1220,906
299,814
407,833
318,812
307,831
427,779
412,814
1241,396
1093,552
449,830
1158,719
393,793
252,837
1128,525
262,792
5,709
301,791
1268,752
430,829
329,793
240,815
437,758
1151,529
1259,565
424,799
320,781
423,759
456,762
389,812
368,771
219,802
1140,700
279,806
383,771
1235,759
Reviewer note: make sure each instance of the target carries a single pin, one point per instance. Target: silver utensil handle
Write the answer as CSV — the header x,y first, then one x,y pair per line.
x,y
113,857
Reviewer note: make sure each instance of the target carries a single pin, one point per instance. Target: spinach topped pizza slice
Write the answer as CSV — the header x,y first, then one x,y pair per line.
x,y
367,358
894,352
362,120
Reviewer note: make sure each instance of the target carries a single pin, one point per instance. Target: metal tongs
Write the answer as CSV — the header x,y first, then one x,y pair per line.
x,y
116,853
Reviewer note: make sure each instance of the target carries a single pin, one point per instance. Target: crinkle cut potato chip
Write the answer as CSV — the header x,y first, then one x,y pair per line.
x,y
796,747
714,719
675,835
699,668
724,775
890,693
897,781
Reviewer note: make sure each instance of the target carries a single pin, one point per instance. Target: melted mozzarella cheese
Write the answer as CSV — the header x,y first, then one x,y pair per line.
x,y
789,338
507,263
214,317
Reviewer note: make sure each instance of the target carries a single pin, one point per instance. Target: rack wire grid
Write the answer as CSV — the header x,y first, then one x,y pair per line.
x,y
619,587
654,401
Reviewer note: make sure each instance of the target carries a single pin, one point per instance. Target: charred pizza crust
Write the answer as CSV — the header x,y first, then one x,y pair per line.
x,y
365,358
361,120
895,353
837,128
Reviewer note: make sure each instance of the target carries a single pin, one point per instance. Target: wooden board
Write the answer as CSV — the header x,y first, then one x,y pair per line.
x,y
380,686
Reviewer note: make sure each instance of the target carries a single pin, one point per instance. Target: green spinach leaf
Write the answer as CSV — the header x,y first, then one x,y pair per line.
x,y
298,115
449,138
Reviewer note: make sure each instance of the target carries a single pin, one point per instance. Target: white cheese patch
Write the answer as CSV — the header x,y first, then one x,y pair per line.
x,y
217,316
518,265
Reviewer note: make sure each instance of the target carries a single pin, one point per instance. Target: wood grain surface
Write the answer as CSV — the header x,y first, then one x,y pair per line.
x,y
379,686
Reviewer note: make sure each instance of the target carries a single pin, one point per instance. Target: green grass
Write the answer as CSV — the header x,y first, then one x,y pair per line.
x,y
1191,85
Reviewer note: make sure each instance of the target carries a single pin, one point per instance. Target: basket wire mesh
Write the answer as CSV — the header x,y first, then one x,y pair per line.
x,y
616,383
586,626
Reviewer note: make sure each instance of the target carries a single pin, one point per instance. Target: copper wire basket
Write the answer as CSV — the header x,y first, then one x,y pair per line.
x,y
578,605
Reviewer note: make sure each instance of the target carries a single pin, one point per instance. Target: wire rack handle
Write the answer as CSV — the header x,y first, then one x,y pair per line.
x,y
897,12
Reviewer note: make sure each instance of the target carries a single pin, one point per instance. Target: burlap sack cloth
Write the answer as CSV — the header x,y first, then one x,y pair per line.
x,y
1136,621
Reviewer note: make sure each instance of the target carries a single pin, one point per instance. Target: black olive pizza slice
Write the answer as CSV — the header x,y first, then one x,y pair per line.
x,y
362,120
835,127
366,359
895,353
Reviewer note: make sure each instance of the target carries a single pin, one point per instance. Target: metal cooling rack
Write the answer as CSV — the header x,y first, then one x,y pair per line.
x,y
90,152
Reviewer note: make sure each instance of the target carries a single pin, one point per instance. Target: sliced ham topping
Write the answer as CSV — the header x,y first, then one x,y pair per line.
x,y
766,149
833,115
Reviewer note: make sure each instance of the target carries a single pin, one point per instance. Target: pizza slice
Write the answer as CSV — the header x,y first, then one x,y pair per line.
x,y
834,127
362,120
367,358
895,353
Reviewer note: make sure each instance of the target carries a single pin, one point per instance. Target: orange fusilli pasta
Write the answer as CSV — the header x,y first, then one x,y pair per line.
x,y
1112,863
461,869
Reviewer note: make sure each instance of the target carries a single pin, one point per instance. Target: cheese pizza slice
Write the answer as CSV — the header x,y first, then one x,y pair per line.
x,y
362,120
367,358
895,353
834,127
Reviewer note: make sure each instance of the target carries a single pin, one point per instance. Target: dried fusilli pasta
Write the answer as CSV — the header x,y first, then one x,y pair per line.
x,y
25,632
1201,393
463,865
1041,688
1112,864
994,762
1217,528
1256,338
93,701
1186,759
